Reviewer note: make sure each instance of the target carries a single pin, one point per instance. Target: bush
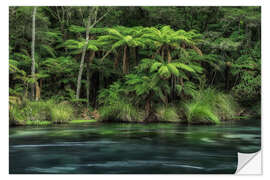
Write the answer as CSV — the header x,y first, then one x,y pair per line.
x,y
210,106
167,114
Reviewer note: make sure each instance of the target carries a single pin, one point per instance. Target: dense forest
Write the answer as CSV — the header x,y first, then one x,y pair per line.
x,y
195,65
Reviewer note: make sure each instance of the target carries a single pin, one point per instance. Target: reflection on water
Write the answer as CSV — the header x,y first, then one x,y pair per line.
x,y
131,148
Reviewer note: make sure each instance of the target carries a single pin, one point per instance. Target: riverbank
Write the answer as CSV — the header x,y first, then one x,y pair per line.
x,y
208,106
46,123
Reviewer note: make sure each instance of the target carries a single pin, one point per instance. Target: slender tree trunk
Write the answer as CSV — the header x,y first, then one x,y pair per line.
x,y
92,56
125,68
82,57
33,51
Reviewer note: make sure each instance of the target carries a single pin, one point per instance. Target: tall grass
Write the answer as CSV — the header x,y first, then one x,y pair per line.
x,y
210,106
167,114
61,113
120,111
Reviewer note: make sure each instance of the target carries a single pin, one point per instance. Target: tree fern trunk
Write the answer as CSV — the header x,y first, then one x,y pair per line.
x,y
162,52
33,50
169,54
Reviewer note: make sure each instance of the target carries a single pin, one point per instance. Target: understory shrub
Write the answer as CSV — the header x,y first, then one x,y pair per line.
x,y
210,106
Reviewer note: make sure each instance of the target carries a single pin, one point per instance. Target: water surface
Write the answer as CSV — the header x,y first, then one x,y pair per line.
x,y
118,148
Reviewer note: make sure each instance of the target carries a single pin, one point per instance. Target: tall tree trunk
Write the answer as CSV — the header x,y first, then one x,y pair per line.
x,y
125,67
33,51
82,57
92,56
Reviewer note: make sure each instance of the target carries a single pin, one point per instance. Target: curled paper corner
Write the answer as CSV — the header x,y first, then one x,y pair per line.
x,y
249,163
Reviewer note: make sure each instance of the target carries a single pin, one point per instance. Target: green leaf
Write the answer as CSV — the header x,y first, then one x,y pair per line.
x,y
173,69
155,66
184,66
164,72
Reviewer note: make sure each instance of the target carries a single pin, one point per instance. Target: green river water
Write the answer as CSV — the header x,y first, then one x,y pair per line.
x,y
121,148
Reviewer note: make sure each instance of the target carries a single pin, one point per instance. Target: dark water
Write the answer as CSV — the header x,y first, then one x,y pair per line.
x,y
131,148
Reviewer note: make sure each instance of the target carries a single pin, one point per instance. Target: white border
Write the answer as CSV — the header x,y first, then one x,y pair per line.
x,y
4,79
137,2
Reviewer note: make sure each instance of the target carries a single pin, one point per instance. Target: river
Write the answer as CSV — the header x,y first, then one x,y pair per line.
x,y
121,148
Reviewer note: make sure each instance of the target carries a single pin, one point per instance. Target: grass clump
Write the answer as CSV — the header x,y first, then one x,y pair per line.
x,y
61,113
210,106
197,112
167,114
120,111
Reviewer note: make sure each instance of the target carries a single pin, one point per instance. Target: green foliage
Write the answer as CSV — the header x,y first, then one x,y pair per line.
x,y
147,86
111,95
167,55
247,70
